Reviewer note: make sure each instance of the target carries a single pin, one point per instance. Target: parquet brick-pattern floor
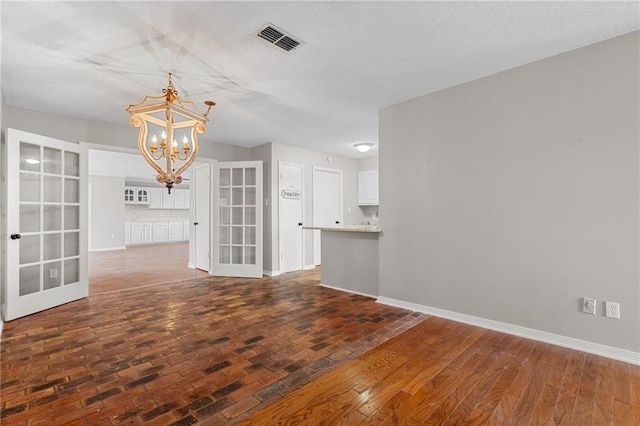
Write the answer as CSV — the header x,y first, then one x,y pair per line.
x,y
139,266
208,349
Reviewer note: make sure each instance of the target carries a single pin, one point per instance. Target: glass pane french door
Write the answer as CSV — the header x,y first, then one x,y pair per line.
x,y
237,231
46,221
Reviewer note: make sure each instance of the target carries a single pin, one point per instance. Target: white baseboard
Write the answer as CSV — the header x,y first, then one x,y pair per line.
x,y
348,291
516,330
108,249
271,273
307,267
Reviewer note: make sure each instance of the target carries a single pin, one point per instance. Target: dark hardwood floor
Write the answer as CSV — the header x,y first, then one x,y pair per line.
x,y
284,350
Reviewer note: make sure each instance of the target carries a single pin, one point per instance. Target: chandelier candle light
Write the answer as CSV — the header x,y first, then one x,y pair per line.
x,y
172,117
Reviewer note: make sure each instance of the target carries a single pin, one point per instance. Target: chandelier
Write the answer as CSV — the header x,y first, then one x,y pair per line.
x,y
168,119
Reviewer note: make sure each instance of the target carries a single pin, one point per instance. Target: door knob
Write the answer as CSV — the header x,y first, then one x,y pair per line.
x,y
16,236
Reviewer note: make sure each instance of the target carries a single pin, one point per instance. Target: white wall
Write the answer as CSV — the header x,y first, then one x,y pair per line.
x,y
511,197
107,213
370,163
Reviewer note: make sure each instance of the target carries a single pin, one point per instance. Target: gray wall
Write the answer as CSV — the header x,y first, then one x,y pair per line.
x,y
263,153
80,130
511,197
107,212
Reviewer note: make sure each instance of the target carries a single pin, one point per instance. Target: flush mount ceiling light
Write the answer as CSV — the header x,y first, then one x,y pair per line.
x,y
363,147
173,119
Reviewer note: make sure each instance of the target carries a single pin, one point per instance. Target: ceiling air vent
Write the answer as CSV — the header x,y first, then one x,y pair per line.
x,y
279,38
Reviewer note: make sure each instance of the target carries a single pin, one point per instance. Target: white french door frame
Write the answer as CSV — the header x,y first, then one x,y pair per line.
x,y
231,267
16,305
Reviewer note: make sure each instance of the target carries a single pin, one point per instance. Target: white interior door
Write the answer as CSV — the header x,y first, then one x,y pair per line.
x,y
200,186
327,203
290,208
47,223
237,219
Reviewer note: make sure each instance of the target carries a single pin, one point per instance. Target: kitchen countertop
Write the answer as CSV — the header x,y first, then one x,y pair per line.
x,y
349,228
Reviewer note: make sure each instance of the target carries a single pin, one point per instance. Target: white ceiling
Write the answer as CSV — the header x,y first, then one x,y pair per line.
x,y
93,59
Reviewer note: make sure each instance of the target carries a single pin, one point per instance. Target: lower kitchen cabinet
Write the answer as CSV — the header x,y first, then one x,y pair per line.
x,y
160,232
175,231
155,232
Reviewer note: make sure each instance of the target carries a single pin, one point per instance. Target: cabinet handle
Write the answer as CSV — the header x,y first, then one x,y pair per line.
x,y
195,223
16,236
299,223
337,222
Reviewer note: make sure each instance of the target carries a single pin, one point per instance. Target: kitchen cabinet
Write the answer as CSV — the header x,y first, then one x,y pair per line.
x,y
159,198
142,196
160,232
136,195
181,199
155,198
155,232
129,195
175,231
368,188
137,233
185,230
148,232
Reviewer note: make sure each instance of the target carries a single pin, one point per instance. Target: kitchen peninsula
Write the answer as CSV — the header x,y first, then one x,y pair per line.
x,y
349,258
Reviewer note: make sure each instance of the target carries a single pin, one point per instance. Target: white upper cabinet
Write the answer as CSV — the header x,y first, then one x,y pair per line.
x,y
142,195
157,198
368,188
136,195
129,195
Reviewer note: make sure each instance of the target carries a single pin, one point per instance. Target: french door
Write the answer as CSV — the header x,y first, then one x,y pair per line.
x,y
237,219
46,256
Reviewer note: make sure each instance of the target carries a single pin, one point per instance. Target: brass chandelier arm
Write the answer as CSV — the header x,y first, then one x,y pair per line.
x,y
142,139
198,128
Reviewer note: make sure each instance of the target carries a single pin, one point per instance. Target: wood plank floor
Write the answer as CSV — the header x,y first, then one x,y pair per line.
x,y
283,350
446,373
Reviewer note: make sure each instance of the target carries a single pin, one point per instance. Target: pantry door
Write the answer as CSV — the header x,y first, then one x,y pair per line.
x,y
47,224
237,219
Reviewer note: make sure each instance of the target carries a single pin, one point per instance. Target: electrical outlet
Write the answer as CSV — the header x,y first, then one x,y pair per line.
x,y
589,305
612,310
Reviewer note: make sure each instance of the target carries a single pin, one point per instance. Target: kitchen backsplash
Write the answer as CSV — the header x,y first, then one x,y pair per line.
x,y
134,213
